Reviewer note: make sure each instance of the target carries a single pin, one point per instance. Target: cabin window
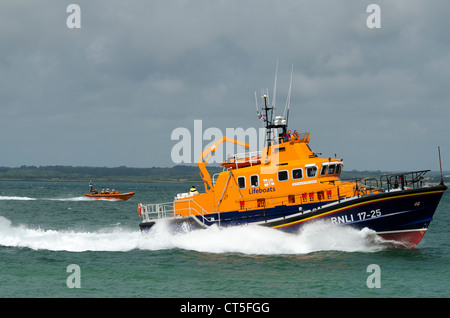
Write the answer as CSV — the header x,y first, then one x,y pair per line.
x,y
311,171
297,174
331,169
338,170
323,171
241,182
254,181
283,175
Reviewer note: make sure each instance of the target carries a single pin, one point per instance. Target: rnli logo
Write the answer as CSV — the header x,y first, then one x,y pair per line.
x,y
268,182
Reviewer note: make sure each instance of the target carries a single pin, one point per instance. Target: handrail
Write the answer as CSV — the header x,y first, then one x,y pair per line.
x,y
302,137
402,180
158,209
161,210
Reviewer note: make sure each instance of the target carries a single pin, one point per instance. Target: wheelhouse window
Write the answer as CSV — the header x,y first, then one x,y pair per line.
x,y
297,174
283,175
241,182
338,169
254,181
331,169
311,171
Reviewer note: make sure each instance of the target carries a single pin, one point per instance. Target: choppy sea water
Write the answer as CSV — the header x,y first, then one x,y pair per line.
x,y
46,228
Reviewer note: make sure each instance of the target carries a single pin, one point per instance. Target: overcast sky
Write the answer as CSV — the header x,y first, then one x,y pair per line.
x,y
111,92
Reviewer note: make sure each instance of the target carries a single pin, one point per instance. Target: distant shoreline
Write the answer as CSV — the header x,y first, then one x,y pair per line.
x,y
103,174
143,175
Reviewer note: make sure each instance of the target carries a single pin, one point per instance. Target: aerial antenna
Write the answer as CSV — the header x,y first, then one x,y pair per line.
x,y
259,114
275,87
288,99
267,116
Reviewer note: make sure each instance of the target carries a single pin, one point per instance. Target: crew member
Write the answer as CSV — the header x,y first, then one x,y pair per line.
x,y
287,137
193,190
91,189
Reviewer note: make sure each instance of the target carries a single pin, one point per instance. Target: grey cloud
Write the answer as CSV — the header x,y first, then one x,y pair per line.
x,y
136,70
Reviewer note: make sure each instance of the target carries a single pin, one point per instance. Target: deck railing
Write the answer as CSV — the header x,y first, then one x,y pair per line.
x,y
403,180
166,210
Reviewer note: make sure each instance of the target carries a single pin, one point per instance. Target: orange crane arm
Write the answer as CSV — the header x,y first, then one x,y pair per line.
x,y
202,162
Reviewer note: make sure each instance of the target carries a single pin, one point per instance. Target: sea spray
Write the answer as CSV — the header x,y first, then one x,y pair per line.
x,y
113,239
252,239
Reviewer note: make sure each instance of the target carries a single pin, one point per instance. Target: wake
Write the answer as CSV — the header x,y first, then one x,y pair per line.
x,y
244,239
16,198
73,199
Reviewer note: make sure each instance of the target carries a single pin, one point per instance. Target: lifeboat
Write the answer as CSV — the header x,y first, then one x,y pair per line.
x,y
111,196
114,195
287,185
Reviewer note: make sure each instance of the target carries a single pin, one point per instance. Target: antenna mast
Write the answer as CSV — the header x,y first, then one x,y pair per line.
x,y
268,117
288,99
268,111
274,99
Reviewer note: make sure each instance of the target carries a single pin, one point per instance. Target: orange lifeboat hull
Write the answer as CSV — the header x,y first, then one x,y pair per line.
x,y
113,196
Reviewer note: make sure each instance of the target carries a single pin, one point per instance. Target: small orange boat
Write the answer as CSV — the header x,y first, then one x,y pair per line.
x,y
114,195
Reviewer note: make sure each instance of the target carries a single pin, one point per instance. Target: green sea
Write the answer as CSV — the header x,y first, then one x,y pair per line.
x,y
55,243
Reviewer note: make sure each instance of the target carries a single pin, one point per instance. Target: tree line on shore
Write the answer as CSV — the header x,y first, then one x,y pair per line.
x,y
122,173
180,173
